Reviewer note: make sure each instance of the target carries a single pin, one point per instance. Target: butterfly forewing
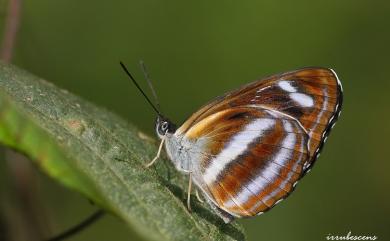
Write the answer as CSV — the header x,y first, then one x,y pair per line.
x,y
312,96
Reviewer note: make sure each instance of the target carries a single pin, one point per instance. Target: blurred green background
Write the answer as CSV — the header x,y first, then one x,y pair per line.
x,y
195,50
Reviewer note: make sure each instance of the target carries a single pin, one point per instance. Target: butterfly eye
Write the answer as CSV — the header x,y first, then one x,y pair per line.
x,y
164,126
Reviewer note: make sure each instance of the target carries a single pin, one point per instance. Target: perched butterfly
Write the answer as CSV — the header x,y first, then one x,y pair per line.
x,y
247,149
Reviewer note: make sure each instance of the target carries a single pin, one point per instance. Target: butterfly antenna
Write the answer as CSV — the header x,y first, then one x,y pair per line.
x,y
139,88
147,77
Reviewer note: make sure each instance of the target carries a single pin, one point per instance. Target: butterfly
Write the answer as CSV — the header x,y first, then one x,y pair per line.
x,y
247,149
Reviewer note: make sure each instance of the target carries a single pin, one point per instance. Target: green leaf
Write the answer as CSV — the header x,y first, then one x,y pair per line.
x,y
93,151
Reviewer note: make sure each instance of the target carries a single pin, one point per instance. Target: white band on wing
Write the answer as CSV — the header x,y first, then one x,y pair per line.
x,y
237,146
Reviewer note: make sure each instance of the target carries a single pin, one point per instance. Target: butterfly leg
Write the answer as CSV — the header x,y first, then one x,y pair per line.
x,y
158,153
198,197
189,192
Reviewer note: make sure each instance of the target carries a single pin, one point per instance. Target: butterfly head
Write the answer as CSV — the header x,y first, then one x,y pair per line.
x,y
164,126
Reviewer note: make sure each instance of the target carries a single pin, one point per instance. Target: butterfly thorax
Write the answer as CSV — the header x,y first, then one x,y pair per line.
x,y
180,151
186,155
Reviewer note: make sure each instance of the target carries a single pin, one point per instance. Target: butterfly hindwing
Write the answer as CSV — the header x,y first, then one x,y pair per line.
x,y
250,158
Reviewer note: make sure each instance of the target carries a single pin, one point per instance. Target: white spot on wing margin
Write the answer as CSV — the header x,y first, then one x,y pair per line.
x,y
302,99
286,85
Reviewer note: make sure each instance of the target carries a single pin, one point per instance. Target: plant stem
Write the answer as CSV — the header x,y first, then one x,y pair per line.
x,y
78,228
11,29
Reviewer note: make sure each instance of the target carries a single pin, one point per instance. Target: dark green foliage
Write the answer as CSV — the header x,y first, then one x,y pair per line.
x,y
93,151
